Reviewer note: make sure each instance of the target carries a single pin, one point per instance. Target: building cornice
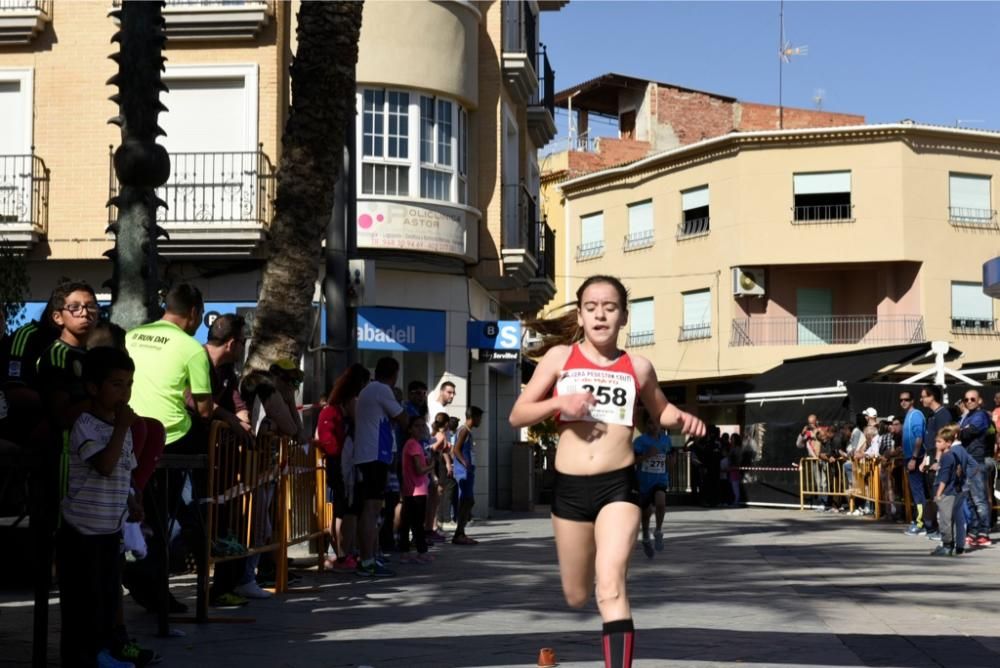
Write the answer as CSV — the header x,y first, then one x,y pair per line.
x,y
983,142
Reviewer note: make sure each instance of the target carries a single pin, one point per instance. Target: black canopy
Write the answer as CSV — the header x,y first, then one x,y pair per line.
x,y
801,373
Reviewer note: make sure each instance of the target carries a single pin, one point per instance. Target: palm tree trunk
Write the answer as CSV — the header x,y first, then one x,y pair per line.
x,y
323,89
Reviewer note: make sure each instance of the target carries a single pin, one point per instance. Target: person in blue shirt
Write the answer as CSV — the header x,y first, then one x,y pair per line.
x,y
651,450
914,425
949,494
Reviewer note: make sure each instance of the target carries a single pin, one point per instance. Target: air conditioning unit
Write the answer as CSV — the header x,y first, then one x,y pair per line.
x,y
531,341
748,281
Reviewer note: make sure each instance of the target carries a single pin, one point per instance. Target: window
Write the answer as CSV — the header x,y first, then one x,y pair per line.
x,y
971,310
694,203
436,148
822,197
591,236
969,199
640,225
697,308
640,317
412,143
385,137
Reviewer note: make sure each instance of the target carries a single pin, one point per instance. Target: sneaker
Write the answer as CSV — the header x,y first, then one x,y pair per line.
x,y
934,535
647,547
131,652
959,550
251,590
463,540
373,570
983,541
105,660
229,600
424,559
970,542
345,565
942,551
658,540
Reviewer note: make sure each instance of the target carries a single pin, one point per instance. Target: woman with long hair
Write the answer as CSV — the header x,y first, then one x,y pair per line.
x,y
594,390
334,427
440,454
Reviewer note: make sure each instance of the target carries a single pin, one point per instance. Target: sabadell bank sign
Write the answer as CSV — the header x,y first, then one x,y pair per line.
x,y
412,330
405,226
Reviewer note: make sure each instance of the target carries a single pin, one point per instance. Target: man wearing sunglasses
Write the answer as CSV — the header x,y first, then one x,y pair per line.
x,y
972,432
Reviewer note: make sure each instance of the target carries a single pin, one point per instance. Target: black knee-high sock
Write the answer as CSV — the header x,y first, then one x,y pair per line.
x,y
618,641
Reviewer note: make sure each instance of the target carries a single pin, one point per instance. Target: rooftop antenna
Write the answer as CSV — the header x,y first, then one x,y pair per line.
x,y
785,53
818,97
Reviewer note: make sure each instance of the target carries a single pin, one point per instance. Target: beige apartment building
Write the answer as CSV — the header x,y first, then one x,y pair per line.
x,y
749,248
454,99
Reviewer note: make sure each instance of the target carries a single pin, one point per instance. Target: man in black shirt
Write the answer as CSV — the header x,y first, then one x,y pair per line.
x,y
939,417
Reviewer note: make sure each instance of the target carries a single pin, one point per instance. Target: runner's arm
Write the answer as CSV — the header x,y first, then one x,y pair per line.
x,y
535,403
656,402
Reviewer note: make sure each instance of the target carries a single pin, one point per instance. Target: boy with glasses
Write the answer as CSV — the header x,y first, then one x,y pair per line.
x,y
60,367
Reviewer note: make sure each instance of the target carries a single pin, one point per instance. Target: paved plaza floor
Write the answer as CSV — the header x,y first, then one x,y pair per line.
x,y
734,587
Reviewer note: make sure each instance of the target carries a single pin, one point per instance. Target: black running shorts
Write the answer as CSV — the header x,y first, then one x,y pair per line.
x,y
580,497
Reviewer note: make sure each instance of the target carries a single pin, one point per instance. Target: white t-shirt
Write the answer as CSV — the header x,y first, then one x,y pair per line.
x,y
96,504
373,424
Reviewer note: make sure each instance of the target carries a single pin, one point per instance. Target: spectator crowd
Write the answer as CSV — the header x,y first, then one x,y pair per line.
x,y
941,457
103,405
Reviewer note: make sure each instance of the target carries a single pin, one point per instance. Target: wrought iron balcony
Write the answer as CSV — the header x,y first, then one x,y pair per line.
x,y
973,325
696,331
590,250
637,240
542,106
961,216
214,19
695,227
636,339
214,199
519,50
823,213
520,233
827,330
24,200
22,20
546,252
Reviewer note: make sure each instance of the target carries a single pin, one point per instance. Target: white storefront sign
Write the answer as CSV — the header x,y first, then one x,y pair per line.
x,y
405,226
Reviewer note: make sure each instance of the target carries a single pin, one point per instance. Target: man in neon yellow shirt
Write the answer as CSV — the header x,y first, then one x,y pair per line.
x,y
168,363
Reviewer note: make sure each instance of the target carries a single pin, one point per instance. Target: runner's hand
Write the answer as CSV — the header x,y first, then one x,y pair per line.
x,y
576,405
691,425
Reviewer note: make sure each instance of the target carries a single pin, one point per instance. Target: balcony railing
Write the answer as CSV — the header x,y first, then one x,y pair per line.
x,y
590,250
696,227
702,330
520,218
545,96
43,6
635,339
546,252
827,330
637,240
24,193
226,188
961,216
973,325
823,213
188,20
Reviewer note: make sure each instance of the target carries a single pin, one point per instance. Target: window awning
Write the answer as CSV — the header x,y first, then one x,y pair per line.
x,y
825,371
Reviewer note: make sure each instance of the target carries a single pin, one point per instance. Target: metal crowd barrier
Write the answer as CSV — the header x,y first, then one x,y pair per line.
x,y
679,472
871,480
262,497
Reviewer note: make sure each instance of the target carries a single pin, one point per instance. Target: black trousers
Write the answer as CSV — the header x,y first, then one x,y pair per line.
x,y
414,513
89,570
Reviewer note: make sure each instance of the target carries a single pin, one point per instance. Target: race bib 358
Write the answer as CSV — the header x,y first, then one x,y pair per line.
x,y
614,391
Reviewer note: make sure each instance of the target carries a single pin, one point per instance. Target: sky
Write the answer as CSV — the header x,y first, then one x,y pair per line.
x,y
934,62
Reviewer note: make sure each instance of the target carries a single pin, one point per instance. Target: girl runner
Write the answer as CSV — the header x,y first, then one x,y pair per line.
x,y
593,388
